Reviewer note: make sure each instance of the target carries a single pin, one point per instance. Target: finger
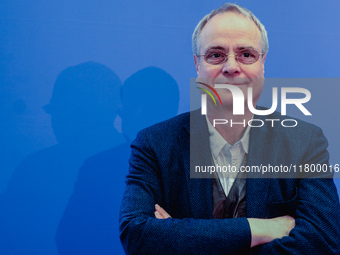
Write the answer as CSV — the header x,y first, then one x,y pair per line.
x,y
291,221
158,216
162,212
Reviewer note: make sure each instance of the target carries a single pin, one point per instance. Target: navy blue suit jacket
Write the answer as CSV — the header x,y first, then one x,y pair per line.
x,y
160,174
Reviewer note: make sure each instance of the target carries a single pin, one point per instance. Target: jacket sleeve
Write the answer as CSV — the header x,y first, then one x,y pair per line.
x,y
142,233
317,229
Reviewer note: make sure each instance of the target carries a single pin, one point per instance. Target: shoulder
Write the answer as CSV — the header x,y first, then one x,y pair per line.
x,y
291,127
291,138
287,126
166,140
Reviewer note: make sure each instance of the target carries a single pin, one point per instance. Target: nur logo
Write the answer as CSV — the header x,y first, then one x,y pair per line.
x,y
238,99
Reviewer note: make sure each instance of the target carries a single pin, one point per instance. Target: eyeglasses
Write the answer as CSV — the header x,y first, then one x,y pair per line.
x,y
244,56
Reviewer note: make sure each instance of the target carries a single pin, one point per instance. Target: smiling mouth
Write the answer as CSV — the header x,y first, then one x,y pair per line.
x,y
226,83
233,84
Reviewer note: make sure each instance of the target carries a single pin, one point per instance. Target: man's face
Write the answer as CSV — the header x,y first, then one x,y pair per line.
x,y
231,33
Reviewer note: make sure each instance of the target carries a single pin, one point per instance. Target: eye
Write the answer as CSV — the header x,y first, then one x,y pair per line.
x,y
214,55
247,55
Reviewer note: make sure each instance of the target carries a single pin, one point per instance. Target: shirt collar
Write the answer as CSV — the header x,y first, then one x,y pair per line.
x,y
217,142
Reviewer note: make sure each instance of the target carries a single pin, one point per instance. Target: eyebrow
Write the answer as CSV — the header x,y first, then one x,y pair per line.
x,y
238,48
246,48
216,48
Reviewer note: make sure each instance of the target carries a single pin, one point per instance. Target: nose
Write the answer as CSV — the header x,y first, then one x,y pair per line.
x,y
231,67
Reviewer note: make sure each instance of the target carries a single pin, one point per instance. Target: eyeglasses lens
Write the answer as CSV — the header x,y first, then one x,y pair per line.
x,y
216,57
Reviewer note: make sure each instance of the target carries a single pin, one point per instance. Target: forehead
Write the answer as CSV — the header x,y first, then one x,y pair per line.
x,y
230,30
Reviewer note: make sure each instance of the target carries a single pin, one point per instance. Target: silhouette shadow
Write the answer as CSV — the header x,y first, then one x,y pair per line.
x,y
90,222
83,107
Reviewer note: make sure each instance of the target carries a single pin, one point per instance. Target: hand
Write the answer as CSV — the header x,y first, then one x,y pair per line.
x,y
160,213
266,230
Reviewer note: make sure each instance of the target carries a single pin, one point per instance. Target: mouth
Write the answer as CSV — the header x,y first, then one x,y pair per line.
x,y
225,83
233,84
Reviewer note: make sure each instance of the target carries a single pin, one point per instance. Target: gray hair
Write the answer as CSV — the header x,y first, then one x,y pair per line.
x,y
234,8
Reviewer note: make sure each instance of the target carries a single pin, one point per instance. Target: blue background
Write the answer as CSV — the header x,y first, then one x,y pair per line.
x,y
40,39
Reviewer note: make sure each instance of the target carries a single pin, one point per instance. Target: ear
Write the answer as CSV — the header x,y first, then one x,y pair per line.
x,y
263,61
197,60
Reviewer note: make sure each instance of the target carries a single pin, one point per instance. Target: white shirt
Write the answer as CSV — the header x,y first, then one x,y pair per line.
x,y
225,154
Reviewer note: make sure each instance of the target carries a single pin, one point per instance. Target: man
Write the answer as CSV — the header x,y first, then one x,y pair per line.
x,y
229,214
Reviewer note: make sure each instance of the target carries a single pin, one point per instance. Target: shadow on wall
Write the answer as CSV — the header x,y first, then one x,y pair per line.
x,y
83,107
14,144
90,222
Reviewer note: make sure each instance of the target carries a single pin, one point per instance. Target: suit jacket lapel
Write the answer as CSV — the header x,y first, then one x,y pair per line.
x,y
196,150
257,189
